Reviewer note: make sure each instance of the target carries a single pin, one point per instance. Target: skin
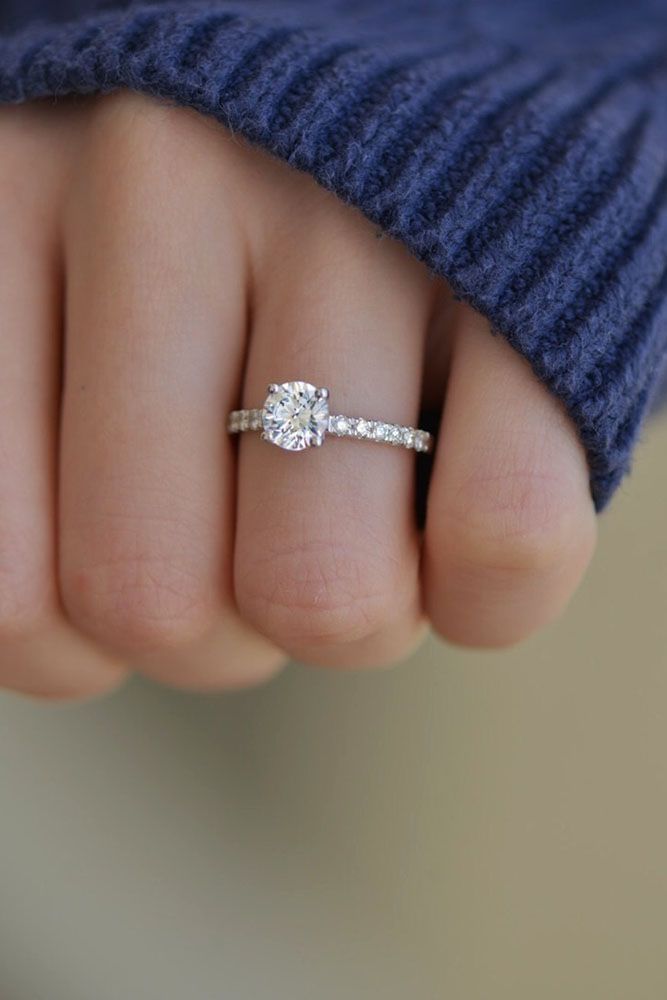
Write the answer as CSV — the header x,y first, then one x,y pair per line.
x,y
156,272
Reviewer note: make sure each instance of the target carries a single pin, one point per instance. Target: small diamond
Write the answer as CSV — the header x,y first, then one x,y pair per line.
x,y
394,435
409,437
256,420
380,431
244,421
421,441
363,428
341,425
295,416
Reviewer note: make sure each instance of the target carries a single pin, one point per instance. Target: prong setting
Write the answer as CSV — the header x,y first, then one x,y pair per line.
x,y
295,415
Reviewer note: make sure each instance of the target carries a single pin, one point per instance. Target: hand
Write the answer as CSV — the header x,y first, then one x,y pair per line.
x,y
155,273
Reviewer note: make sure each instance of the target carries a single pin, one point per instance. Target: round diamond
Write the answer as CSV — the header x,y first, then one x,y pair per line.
x,y
341,425
363,428
421,441
295,415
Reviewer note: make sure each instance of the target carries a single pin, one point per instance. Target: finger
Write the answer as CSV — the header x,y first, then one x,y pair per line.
x,y
510,524
48,659
231,656
155,337
39,655
326,561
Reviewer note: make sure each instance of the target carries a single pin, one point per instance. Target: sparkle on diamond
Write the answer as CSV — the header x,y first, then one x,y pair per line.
x,y
295,417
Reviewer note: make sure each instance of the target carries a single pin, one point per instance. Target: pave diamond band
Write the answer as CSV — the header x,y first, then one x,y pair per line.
x,y
296,415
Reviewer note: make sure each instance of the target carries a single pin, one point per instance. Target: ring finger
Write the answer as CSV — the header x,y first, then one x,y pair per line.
x,y
327,554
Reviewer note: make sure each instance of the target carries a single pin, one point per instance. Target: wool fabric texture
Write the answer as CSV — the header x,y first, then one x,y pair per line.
x,y
518,148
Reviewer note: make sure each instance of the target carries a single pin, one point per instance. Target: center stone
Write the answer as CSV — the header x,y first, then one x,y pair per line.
x,y
296,415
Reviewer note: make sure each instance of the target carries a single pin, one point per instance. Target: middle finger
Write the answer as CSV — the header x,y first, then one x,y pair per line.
x,y
155,334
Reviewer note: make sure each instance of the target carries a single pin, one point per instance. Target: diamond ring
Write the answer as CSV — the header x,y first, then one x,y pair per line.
x,y
296,415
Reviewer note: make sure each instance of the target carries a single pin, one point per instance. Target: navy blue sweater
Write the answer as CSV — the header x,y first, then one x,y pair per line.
x,y
518,147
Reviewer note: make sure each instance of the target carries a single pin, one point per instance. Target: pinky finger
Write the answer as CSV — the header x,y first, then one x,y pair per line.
x,y
510,523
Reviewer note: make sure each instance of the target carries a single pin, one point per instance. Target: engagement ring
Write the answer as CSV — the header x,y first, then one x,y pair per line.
x,y
296,415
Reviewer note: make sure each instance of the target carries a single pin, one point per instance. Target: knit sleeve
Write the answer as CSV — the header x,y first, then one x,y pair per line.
x,y
519,149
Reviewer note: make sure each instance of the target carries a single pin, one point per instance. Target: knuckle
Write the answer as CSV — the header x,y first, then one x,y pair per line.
x,y
517,524
314,593
139,603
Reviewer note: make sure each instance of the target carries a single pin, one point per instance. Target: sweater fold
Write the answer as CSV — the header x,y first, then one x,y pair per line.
x,y
518,149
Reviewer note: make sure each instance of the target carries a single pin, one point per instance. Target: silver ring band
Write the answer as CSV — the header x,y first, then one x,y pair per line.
x,y
296,415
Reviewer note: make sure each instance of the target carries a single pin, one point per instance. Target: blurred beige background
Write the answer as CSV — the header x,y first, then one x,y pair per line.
x,y
469,827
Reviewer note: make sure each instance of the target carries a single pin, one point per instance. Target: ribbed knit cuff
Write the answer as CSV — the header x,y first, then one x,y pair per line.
x,y
531,173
